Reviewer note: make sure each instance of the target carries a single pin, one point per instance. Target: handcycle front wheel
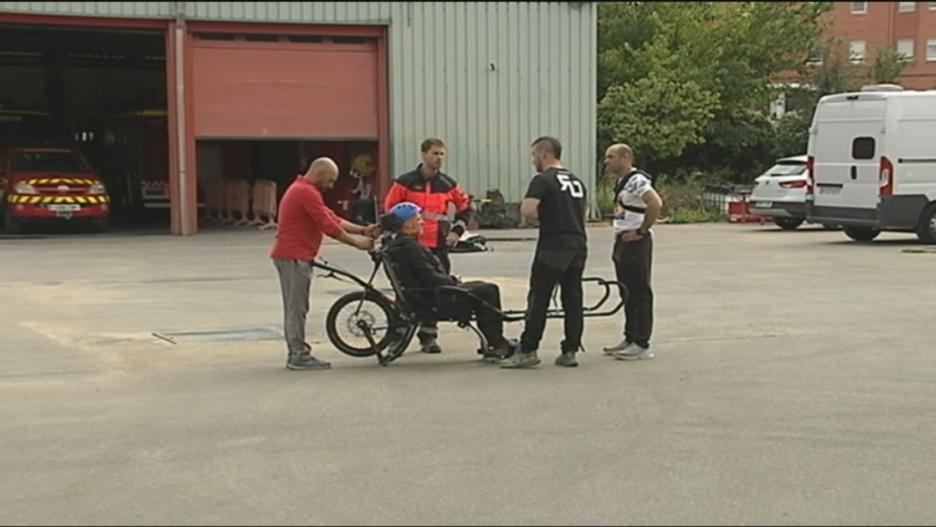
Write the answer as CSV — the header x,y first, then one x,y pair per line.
x,y
354,314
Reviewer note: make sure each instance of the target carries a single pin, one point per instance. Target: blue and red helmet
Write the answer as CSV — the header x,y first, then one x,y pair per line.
x,y
399,214
405,210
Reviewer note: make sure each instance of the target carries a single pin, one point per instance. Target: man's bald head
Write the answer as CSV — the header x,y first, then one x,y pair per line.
x,y
622,149
618,159
323,164
322,173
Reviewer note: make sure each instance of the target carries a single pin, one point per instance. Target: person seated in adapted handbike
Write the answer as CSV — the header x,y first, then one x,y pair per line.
x,y
420,271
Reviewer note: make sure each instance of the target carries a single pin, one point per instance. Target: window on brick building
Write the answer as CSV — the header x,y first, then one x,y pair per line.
x,y
859,8
907,7
931,50
815,56
932,6
856,50
905,49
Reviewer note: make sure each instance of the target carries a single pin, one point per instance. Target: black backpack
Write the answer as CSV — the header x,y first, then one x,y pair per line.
x,y
619,186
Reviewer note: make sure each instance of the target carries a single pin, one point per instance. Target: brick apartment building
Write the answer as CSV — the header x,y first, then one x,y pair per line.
x,y
908,26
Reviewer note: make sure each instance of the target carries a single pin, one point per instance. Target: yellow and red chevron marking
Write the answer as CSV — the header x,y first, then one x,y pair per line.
x,y
45,200
60,181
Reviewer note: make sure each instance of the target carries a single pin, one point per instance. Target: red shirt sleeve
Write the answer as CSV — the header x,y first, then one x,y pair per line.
x,y
332,215
322,216
460,199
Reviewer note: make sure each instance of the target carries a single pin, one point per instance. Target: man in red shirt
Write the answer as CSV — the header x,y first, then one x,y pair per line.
x,y
302,220
433,191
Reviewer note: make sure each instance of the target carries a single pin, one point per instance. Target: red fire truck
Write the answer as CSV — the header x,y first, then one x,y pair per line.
x,y
42,178
45,184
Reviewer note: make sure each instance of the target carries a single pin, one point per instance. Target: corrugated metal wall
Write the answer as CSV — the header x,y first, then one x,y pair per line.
x,y
488,78
485,77
119,9
289,12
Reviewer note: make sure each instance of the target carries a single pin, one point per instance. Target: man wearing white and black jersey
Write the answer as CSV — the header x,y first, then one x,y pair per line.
x,y
637,206
556,198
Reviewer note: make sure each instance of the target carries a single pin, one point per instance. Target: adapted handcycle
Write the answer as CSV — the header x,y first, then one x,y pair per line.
x,y
370,322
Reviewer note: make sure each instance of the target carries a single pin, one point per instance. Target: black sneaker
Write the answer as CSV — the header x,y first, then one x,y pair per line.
x,y
430,346
308,363
499,353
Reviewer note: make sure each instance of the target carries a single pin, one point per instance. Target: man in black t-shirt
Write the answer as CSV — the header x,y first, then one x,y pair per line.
x,y
557,199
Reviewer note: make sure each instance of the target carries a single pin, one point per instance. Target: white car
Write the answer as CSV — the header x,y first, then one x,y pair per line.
x,y
780,193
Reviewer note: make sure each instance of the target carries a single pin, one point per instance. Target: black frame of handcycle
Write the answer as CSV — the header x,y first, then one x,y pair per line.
x,y
510,315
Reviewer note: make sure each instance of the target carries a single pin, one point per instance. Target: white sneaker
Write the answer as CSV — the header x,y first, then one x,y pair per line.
x,y
620,346
634,352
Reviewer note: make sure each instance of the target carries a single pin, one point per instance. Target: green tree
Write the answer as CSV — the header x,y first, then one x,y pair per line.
x,y
836,74
765,39
722,55
658,115
791,133
886,65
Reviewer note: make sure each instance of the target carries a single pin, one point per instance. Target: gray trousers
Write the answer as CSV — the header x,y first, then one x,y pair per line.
x,y
295,278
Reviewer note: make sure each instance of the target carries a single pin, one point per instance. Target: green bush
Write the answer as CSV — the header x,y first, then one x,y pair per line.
x,y
694,216
604,197
681,197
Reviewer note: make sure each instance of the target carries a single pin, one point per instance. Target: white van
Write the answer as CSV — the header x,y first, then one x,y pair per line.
x,y
872,162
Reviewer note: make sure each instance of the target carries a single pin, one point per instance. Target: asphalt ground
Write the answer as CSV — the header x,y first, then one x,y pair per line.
x,y
794,383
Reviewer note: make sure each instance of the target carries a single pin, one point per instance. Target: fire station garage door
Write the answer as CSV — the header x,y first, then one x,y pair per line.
x,y
279,87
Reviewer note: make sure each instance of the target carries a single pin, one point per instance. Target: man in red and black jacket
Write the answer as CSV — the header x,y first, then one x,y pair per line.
x,y
433,191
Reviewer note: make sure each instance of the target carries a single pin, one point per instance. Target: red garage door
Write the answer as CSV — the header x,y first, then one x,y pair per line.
x,y
276,86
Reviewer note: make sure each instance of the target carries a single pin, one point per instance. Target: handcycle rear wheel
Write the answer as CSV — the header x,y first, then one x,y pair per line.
x,y
353,313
